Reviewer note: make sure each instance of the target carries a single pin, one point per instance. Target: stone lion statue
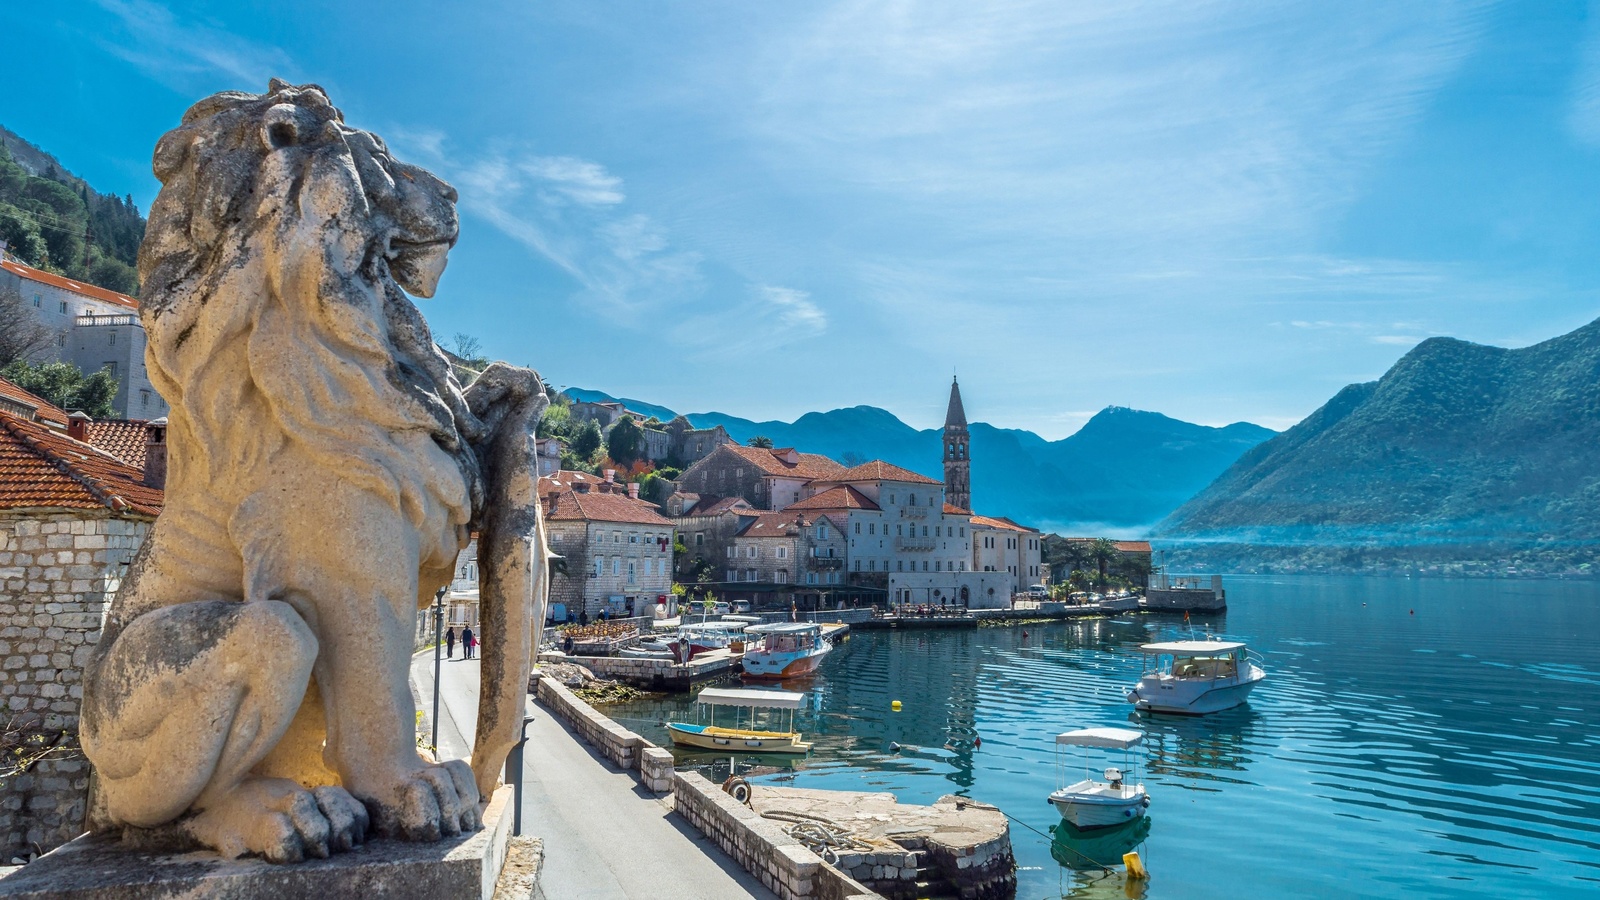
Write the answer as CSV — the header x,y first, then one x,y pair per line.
x,y
249,693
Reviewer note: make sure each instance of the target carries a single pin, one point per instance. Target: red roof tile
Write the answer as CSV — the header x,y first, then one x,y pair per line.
x,y
43,410
594,507
999,522
41,468
566,480
122,438
950,509
776,525
842,497
878,470
67,284
715,506
777,461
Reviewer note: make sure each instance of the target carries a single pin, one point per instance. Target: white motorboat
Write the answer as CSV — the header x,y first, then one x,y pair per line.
x,y
1091,803
695,638
1194,677
784,650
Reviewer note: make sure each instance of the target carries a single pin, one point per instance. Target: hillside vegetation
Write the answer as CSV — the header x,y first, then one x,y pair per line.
x,y
1460,454
54,220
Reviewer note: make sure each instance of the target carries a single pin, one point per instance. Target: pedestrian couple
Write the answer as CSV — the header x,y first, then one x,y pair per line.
x,y
469,643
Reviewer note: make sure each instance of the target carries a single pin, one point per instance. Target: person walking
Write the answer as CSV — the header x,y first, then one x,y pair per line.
x,y
450,642
467,642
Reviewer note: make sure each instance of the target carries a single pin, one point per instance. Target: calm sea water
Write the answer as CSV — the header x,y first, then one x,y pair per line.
x,y
1413,739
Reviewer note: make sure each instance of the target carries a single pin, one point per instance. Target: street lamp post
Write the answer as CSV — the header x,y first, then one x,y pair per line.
x,y
438,646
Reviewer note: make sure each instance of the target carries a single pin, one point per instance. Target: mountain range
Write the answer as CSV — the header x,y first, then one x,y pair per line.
x,y
1460,451
1119,474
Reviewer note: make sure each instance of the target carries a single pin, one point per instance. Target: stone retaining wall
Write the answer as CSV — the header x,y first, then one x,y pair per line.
x,y
1202,599
614,742
782,863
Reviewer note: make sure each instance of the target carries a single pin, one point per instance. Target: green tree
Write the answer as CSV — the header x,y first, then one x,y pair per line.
x,y
761,441
625,441
1103,551
586,441
23,335
65,385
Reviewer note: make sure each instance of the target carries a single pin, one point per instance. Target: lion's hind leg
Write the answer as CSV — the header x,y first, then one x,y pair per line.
x,y
187,701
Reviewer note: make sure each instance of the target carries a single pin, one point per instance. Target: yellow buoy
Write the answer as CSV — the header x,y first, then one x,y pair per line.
x,y
895,705
1135,866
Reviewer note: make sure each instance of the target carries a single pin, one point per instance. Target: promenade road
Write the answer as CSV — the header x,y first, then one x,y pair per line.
x,y
605,836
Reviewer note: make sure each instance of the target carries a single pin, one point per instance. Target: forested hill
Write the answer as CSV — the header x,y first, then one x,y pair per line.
x,y
52,219
1460,451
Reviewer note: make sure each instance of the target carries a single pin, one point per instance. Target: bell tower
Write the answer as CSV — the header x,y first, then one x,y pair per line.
x,y
957,453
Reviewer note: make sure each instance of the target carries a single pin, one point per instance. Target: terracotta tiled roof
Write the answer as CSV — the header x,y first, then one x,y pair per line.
x,y
950,509
566,480
776,525
714,506
595,507
43,468
43,410
842,497
878,470
1122,546
67,284
122,438
776,462
999,522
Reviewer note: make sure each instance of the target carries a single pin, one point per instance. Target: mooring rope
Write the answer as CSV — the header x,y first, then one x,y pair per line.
x,y
820,835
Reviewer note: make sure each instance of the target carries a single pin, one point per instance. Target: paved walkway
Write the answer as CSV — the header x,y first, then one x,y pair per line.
x,y
605,836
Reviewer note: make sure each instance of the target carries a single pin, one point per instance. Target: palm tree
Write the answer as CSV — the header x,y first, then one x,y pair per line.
x,y
1102,551
761,441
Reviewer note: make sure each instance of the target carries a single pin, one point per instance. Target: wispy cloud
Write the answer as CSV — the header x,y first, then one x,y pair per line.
x,y
184,54
795,310
570,211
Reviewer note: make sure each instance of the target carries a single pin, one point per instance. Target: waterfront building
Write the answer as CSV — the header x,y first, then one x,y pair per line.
x,y
617,548
706,526
1001,545
95,329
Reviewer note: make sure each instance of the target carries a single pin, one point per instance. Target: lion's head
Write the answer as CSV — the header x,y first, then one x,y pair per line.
x,y
275,267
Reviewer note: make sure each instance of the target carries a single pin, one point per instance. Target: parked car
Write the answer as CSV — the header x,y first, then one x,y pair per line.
x,y
1039,592
741,607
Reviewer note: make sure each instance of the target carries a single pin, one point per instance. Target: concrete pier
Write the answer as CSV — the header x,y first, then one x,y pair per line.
x,y
955,847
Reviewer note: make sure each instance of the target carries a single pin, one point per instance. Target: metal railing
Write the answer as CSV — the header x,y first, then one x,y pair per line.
x,y
914,543
913,512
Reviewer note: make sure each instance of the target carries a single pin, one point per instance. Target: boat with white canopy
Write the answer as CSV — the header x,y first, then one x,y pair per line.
x,y
735,737
784,650
1195,677
1090,803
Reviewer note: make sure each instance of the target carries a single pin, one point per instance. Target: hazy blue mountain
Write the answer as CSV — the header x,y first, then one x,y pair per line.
x,y
1122,472
1459,445
638,406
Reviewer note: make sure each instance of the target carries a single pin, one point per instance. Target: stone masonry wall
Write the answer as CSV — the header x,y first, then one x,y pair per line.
x,y
58,571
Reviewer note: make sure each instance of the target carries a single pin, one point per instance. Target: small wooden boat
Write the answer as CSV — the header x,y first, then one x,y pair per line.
x,y
1194,677
784,650
1089,803
711,736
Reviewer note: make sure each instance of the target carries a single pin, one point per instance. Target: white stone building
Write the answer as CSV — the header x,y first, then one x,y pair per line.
x,y
95,329
1001,545
617,549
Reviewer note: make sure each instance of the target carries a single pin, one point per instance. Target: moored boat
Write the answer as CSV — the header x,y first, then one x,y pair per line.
x,y
711,736
1194,677
1090,803
695,638
784,650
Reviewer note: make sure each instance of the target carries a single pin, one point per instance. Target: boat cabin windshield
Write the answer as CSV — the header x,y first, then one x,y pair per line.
x,y
787,638
1210,665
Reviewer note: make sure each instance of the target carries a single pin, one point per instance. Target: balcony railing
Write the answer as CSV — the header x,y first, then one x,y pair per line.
x,y
913,512
827,562
108,319
913,543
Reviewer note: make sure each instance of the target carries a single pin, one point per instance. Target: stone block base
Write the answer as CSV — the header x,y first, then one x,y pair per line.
x,y
97,867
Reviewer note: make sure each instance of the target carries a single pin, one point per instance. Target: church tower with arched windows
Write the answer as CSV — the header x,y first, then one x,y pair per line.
x,y
957,452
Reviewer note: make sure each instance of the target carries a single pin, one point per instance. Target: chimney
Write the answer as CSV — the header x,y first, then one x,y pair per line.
x,y
155,453
78,426
611,476
633,490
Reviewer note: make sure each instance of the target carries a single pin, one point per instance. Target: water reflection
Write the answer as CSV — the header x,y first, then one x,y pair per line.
x,y
1199,748
1097,849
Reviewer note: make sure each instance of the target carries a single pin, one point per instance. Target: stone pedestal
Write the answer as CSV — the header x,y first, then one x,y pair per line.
x,y
95,867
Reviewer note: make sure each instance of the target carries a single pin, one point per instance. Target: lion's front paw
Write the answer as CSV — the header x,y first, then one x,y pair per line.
x,y
434,801
281,821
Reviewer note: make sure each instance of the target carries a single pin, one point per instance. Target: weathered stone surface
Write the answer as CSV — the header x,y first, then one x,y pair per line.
x,y
464,867
324,469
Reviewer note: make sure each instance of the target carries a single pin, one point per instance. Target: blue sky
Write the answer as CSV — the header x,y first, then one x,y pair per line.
x,y
1219,211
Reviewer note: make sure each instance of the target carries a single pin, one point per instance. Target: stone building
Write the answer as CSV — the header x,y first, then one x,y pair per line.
x,y
95,329
548,452
1001,545
767,479
957,455
707,528
71,518
617,549
688,444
